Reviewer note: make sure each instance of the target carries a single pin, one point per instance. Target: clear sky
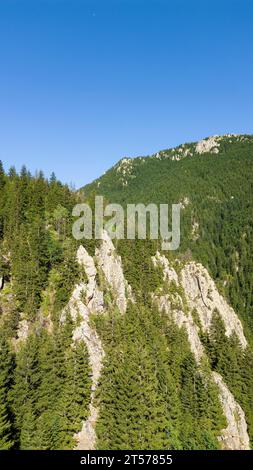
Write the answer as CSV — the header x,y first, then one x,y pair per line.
x,y
85,83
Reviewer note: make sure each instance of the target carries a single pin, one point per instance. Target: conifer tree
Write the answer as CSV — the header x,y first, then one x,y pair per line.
x,y
6,425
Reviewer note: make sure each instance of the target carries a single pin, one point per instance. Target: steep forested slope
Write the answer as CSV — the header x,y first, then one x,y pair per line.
x,y
214,183
44,379
103,345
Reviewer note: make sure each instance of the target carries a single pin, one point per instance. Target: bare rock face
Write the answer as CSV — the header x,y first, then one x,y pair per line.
x,y
84,332
125,170
212,143
86,299
169,273
165,303
209,145
94,297
184,202
203,295
110,264
235,435
195,230
86,438
186,321
22,331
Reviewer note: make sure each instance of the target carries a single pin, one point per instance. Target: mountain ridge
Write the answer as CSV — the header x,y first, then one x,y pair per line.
x,y
210,143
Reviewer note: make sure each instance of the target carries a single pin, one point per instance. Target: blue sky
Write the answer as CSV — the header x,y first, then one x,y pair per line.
x,y
84,83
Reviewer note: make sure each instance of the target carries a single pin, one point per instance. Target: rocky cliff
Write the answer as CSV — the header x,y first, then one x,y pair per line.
x,y
86,299
195,290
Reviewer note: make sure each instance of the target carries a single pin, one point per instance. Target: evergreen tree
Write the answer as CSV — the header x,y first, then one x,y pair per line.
x,y
6,428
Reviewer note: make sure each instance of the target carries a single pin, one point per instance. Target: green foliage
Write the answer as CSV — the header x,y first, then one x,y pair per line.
x,y
35,216
236,366
152,395
51,391
46,397
6,428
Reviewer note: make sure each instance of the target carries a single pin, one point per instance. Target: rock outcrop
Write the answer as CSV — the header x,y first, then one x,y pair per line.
x,y
169,273
196,283
125,170
186,321
22,331
110,264
235,436
86,299
94,296
203,295
211,144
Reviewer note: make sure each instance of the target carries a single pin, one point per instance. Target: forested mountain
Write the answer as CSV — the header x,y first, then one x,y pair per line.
x,y
120,345
213,180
